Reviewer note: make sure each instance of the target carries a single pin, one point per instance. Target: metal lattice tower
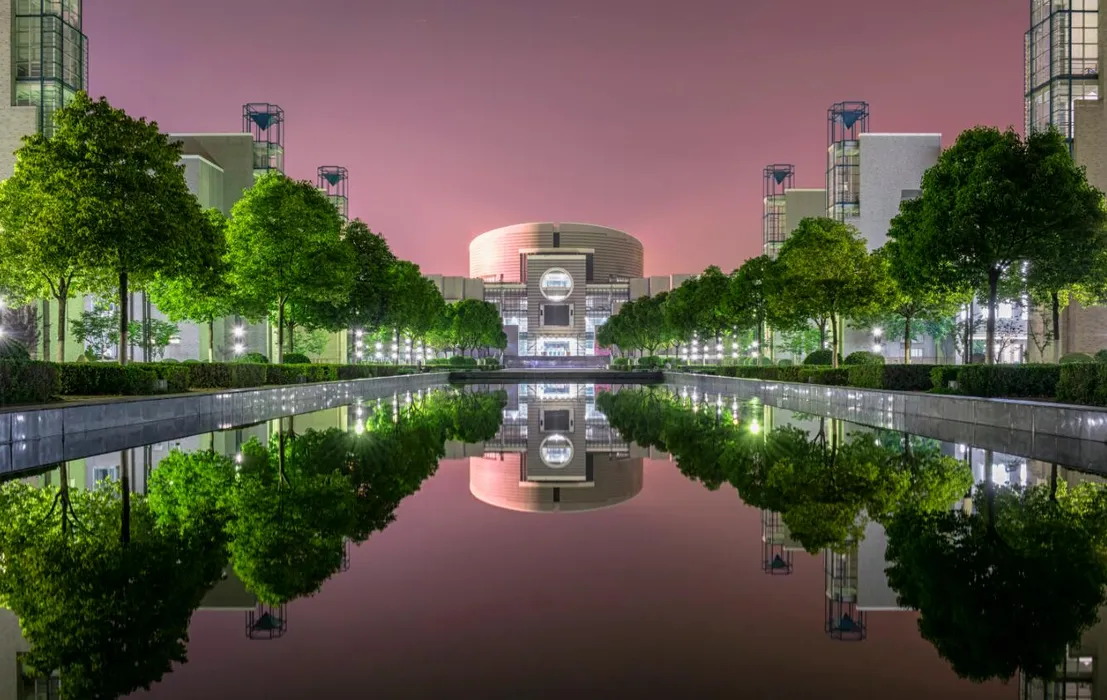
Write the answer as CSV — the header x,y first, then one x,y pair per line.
x,y
265,122
1062,62
267,622
844,622
776,557
334,181
778,179
49,56
846,121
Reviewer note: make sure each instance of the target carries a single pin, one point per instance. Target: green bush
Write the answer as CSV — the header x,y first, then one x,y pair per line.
x,y
13,350
620,363
170,361
942,375
651,362
819,357
1073,357
825,375
865,375
1083,383
785,363
109,379
1101,356
863,357
25,381
255,357
299,374
461,361
227,375
296,358
1010,381
909,377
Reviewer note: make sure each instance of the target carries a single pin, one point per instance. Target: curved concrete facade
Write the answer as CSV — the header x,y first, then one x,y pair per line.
x,y
494,255
495,481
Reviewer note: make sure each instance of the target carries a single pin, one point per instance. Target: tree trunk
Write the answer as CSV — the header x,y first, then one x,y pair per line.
x,y
906,340
1055,303
211,340
124,316
990,336
280,332
291,336
834,340
125,485
63,494
63,304
1053,482
966,347
45,330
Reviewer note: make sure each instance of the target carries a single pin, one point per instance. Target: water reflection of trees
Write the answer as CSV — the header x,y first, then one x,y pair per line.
x,y
1004,581
105,585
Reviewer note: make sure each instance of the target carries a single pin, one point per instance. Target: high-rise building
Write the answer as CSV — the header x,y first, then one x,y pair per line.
x,y
846,121
47,66
1062,62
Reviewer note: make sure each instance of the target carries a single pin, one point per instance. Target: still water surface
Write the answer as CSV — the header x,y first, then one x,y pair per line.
x,y
540,541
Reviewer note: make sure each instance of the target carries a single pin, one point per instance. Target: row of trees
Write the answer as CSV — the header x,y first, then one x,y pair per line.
x,y
1003,586
105,583
101,207
999,218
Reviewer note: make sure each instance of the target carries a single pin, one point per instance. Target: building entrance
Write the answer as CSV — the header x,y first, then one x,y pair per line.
x,y
556,347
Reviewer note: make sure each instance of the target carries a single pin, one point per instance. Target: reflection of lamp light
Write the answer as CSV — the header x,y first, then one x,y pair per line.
x,y
878,332
755,427
359,427
556,451
877,347
239,348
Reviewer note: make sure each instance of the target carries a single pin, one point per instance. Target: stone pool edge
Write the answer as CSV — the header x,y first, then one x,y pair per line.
x,y
56,420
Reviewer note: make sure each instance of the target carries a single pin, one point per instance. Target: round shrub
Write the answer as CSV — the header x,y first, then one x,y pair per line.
x,y
296,358
819,357
13,350
1074,357
784,363
1101,356
169,361
864,357
191,362
253,357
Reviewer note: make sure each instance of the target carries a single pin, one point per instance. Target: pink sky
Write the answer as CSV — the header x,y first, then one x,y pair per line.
x,y
654,117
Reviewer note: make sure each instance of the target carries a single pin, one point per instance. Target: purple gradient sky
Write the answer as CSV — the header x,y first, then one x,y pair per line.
x,y
652,116
661,596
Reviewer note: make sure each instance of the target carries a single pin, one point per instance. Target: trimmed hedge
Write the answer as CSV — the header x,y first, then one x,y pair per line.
x,y
1074,357
37,382
819,357
26,381
1083,383
863,357
1011,381
13,350
295,358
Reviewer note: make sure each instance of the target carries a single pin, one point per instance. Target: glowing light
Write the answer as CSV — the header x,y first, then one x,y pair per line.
x,y
239,331
878,332
239,348
379,345
877,347
755,427
238,458
359,427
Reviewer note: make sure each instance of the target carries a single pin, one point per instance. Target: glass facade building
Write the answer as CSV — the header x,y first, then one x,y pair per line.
x,y
49,56
1062,62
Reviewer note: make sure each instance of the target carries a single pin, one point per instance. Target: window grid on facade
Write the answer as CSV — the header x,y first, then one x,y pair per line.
x,y
1062,62
49,55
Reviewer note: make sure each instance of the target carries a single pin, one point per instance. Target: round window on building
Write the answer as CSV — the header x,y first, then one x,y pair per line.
x,y
556,451
556,284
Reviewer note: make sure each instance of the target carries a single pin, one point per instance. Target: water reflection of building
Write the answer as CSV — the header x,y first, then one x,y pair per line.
x,y
555,452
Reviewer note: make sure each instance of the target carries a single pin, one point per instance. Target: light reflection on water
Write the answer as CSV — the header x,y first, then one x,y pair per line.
x,y
554,451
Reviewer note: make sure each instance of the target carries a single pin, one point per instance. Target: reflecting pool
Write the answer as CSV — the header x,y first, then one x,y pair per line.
x,y
549,541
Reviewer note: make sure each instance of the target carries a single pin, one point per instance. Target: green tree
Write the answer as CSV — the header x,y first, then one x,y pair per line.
x,y
203,294
121,195
40,258
415,306
290,515
284,247
826,274
912,298
109,613
1008,587
995,201
748,298
475,324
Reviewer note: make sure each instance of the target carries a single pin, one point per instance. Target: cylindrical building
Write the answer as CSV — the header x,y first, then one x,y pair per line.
x,y
499,255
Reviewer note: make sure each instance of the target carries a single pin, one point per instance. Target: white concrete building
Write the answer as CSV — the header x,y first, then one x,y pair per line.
x,y
892,167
